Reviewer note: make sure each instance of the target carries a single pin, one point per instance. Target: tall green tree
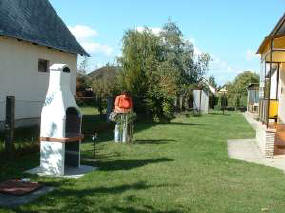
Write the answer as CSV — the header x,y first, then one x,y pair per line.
x,y
83,66
141,52
180,53
212,81
82,80
157,68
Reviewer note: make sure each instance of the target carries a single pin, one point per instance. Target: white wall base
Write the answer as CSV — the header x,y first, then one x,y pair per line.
x,y
52,158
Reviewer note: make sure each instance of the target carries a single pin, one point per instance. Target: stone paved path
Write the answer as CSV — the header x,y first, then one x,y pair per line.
x,y
247,150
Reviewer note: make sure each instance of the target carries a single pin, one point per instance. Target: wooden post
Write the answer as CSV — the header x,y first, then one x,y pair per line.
x,y
110,104
9,124
186,103
100,106
181,103
175,103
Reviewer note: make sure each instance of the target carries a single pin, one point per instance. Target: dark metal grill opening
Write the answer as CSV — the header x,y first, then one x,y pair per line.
x,y
72,122
72,129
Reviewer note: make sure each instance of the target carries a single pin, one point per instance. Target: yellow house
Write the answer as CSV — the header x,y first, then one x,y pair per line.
x,y
270,132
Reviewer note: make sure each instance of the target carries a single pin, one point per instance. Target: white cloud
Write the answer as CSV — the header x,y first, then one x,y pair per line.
x,y
221,65
155,30
94,47
251,55
82,31
218,67
192,40
222,70
197,50
85,36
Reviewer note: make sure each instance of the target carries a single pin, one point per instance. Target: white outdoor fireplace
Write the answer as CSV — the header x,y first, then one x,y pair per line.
x,y
60,125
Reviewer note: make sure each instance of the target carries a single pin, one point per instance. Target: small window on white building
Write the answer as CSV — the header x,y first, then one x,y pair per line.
x,y
43,65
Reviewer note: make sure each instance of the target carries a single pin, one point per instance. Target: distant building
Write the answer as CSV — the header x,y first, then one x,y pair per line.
x,y
32,38
105,72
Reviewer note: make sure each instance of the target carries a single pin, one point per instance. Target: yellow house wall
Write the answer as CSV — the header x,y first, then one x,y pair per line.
x,y
277,56
279,43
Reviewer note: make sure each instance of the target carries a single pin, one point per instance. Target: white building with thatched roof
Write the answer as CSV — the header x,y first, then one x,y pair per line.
x,y
32,38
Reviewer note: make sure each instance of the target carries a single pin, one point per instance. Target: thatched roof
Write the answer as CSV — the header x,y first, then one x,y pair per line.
x,y
36,21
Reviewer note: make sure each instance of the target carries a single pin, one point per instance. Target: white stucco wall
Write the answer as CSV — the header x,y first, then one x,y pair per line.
x,y
281,111
19,75
273,87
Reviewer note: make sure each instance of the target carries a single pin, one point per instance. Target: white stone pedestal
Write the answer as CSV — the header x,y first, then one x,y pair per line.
x,y
55,156
52,158
73,173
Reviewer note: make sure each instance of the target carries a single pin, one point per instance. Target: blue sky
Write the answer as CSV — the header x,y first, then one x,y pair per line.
x,y
230,31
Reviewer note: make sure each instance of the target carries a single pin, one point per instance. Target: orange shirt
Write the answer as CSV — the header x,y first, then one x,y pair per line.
x,y
123,104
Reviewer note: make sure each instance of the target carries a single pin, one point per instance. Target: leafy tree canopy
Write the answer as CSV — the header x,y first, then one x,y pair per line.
x,y
212,81
237,90
159,67
242,81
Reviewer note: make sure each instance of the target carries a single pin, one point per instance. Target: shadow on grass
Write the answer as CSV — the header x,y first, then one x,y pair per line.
x,y
141,185
145,209
160,141
128,164
101,137
216,113
104,130
79,200
88,157
185,124
14,168
93,123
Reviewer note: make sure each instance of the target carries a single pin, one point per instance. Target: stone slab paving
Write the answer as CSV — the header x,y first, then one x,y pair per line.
x,y
247,150
12,201
73,173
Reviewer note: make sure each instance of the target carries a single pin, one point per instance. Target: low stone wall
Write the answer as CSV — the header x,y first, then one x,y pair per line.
x,y
265,140
251,119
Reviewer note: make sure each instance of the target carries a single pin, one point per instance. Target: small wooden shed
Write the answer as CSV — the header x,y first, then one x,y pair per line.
x,y
201,101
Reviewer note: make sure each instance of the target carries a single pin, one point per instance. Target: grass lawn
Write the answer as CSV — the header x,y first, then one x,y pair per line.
x,y
178,167
89,110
